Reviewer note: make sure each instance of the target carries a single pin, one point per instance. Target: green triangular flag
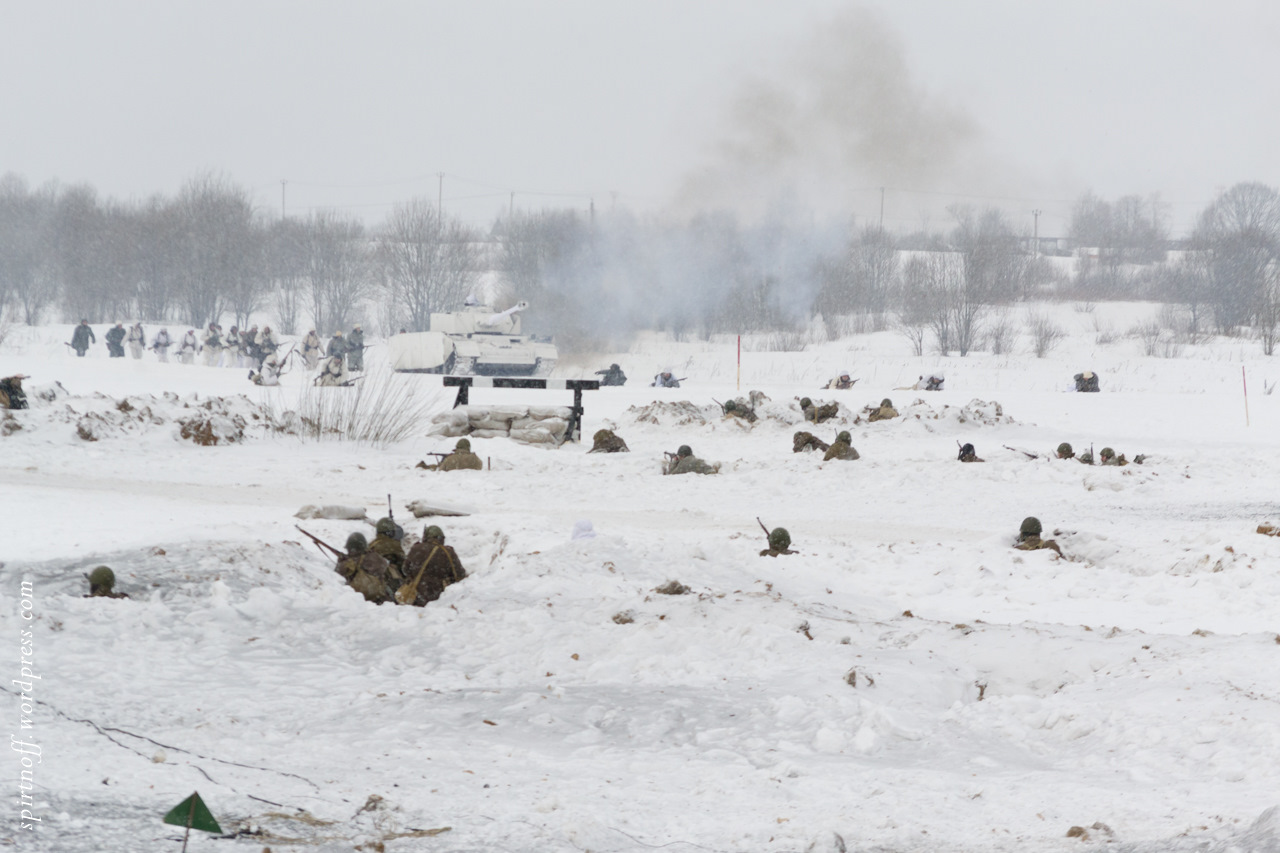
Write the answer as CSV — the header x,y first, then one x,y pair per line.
x,y
194,813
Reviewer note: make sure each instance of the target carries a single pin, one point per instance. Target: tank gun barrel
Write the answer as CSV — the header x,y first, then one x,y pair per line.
x,y
495,319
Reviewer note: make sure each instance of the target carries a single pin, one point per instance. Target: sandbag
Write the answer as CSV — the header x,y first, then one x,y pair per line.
x,y
490,423
456,416
533,436
490,433
542,412
450,430
499,413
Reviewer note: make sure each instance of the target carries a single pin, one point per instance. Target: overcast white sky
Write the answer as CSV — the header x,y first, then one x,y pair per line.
x,y
653,104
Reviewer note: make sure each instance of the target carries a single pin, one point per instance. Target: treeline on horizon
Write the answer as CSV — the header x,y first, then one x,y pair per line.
x,y
207,255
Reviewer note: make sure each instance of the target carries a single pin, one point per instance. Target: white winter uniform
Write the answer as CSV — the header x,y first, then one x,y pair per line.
x,y
270,373
188,348
161,345
311,350
137,340
335,371
212,348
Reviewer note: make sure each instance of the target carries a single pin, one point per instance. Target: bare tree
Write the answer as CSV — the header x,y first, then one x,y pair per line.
x,y
429,263
27,273
991,270
1186,281
863,282
914,303
286,264
1267,315
338,267
1239,235
77,242
158,235
216,247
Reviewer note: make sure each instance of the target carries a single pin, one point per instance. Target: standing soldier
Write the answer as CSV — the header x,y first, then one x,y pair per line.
x,y
212,346
355,348
137,340
161,345
249,347
188,348
231,347
337,346
311,350
115,341
268,343
81,337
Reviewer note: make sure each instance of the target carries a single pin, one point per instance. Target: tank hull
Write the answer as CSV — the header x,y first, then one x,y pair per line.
x,y
478,354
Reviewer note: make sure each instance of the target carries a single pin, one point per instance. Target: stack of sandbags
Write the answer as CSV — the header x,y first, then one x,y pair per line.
x,y
528,424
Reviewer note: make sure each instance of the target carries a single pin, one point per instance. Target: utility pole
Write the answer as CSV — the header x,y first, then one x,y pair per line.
x,y
1035,253
440,196
282,186
882,208
511,207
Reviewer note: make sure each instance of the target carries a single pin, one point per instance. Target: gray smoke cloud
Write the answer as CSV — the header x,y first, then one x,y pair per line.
x,y
839,115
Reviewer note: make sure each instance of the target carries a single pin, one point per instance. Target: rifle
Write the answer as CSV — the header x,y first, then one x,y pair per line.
x,y
391,515
321,544
1025,453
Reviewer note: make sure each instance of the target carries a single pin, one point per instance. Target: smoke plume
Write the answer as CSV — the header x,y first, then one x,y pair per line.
x,y
838,117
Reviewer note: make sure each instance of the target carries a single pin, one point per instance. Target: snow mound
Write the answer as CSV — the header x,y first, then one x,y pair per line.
x,y
208,421
974,413
682,413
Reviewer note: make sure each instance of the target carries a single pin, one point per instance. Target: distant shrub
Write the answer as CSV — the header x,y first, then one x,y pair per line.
x,y
1045,334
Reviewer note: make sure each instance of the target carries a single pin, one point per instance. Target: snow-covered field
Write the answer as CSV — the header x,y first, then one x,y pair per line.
x,y
907,682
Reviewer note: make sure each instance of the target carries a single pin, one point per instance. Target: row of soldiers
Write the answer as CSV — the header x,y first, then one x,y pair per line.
x,y
234,348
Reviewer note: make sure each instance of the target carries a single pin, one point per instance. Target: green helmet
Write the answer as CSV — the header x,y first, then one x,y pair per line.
x,y
463,445
779,539
805,402
886,403
1065,451
845,437
685,450
102,578
602,435
386,528
1086,457
1106,453
1030,527
432,531
357,544
730,406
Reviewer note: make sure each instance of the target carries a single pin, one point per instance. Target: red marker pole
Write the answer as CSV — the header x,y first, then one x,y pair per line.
x,y
1245,383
